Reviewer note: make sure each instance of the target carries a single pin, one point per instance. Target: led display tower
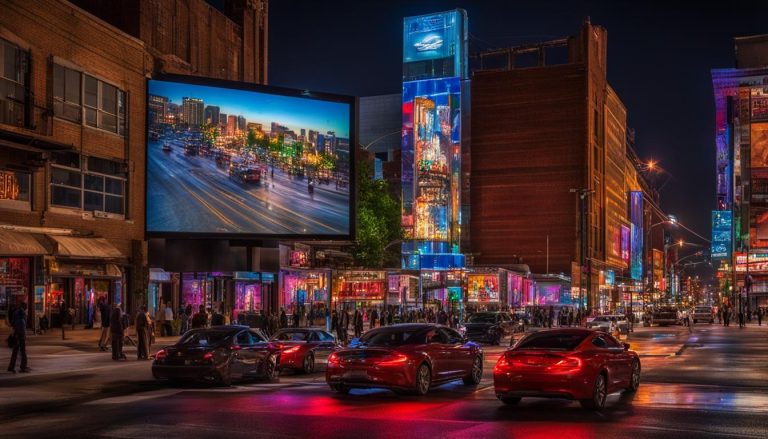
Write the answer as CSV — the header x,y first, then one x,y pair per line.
x,y
435,91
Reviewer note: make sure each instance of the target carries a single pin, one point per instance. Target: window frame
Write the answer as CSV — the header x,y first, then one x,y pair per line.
x,y
84,173
118,113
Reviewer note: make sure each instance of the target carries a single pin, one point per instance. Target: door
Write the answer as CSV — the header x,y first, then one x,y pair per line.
x,y
622,360
242,361
439,352
459,355
325,346
609,357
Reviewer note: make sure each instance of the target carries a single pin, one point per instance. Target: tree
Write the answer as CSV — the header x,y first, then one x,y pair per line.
x,y
252,139
378,222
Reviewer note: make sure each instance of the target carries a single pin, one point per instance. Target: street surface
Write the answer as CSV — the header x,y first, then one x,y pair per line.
x,y
711,383
193,194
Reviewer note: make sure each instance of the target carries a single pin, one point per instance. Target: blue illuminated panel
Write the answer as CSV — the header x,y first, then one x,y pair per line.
x,y
636,218
722,223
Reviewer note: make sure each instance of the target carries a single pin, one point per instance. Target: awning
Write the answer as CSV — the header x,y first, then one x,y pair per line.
x,y
92,248
21,244
99,271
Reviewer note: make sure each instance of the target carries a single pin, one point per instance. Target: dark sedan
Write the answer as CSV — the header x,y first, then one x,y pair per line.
x,y
405,358
302,349
219,354
488,327
576,363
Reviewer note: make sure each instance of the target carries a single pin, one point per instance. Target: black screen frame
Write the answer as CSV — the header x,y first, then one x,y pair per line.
x,y
353,103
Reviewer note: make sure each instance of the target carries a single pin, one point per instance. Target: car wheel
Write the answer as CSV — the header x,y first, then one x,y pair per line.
x,y
423,379
270,368
508,400
599,394
340,389
634,380
476,374
308,365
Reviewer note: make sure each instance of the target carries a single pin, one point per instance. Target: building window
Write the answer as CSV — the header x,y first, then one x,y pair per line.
x,y
91,183
79,97
15,192
14,63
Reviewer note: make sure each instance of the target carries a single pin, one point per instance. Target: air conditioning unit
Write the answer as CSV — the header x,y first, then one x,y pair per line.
x,y
100,214
88,216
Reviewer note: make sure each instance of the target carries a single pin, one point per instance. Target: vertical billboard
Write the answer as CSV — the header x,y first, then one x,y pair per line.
x,y
636,218
434,45
228,158
722,223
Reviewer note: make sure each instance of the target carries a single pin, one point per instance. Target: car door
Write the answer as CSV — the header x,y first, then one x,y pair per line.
x,y
622,360
325,345
240,354
609,359
459,354
438,351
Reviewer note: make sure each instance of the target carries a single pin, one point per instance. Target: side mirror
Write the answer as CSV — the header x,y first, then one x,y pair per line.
x,y
626,346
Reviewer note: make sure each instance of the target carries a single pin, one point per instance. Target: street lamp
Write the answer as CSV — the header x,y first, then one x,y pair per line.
x,y
583,194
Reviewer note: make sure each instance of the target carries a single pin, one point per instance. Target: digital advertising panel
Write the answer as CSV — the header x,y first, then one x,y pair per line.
x,y
433,45
722,222
243,160
482,288
636,218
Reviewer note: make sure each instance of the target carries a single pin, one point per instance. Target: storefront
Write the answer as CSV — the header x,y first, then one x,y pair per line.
x,y
359,289
163,286
78,287
15,281
22,275
403,291
515,296
442,289
552,290
305,292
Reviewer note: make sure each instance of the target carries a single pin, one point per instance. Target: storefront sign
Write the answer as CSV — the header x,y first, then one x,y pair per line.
x,y
482,288
247,275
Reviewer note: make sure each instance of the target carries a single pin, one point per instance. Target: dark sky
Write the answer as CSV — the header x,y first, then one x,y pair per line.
x,y
659,60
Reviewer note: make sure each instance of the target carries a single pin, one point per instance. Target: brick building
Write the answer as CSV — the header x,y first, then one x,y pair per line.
x,y
72,135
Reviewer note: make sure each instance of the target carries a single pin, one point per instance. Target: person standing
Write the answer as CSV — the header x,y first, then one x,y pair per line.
x,y
19,324
63,314
104,311
374,317
283,319
200,320
759,317
336,325
168,320
358,323
117,329
345,321
142,334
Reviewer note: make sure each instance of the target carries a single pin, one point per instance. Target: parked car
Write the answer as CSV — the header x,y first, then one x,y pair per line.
x,y
488,327
665,316
574,363
603,323
302,349
410,357
703,314
219,354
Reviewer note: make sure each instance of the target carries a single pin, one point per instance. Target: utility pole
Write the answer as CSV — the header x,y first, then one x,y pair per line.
x,y
584,261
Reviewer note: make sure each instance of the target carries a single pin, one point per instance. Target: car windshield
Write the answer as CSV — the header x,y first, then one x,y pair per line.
x,y
482,318
204,338
389,337
556,341
291,336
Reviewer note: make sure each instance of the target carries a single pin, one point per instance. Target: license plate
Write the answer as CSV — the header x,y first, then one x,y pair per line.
x,y
356,375
187,362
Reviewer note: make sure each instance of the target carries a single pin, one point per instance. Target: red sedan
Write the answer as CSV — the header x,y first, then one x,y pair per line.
x,y
300,349
405,358
579,364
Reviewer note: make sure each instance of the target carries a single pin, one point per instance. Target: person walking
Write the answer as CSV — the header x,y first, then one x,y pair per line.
x,y
358,324
19,325
200,319
336,326
63,314
117,329
142,334
759,317
104,338
168,320
374,317
283,318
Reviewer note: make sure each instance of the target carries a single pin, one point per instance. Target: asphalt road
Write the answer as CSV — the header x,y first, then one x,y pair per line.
x,y
711,383
191,194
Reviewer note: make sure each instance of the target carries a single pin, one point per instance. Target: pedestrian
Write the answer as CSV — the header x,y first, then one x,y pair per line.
x,y
200,319
104,339
118,330
168,320
345,323
358,323
63,314
283,318
336,326
759,317
218,318
142,334
19,325
741,318
390,318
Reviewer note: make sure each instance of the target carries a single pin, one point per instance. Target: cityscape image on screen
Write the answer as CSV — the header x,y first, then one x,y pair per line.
x,y
225,160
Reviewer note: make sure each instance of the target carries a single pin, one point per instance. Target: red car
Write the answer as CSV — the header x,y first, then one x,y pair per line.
x,y
302,348
580,364
405,358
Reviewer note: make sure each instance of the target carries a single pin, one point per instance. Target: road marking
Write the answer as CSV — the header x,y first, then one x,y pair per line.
x,y
127,399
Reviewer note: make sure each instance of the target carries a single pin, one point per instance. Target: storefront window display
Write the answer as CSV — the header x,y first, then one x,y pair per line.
x,y
515,285
359,288
305,288
14,283
196,290
482,288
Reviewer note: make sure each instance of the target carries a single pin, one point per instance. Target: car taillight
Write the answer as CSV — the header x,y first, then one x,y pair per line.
x,y
334,359
291,350
397,360
208,356
568,363
236,347
161,354
502,364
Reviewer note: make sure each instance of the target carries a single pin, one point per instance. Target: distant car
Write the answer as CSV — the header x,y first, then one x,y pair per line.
x,y
603,323
247,175
218,354
409,357
167,147
703,314
488,327
302,349
665,316
574,363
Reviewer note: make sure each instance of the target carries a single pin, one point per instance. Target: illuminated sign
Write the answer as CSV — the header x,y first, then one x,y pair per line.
x,y
610,277
254,172
14,185
722,223
625,244
434,38
636,218
482,288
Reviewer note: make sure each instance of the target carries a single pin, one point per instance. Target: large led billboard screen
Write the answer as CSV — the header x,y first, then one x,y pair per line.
x,y
636,218
227,158
722,223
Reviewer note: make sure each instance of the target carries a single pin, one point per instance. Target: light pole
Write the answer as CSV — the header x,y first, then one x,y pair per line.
x,y
583,194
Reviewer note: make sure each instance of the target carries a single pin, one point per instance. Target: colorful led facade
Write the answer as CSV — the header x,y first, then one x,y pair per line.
x,y
434,79
636,218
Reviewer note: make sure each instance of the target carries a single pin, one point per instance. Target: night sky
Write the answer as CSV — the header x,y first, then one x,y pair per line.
x,y
659,60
